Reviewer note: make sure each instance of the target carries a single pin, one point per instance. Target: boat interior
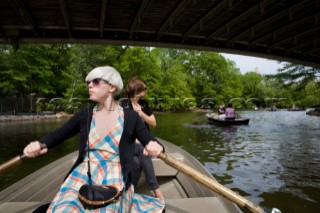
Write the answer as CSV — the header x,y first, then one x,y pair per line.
x,y
182,193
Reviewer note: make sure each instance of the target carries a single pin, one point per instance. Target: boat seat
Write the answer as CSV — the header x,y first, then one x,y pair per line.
x,y
195,205
162,169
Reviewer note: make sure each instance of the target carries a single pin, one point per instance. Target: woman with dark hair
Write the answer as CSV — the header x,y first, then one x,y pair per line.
x,y
135,92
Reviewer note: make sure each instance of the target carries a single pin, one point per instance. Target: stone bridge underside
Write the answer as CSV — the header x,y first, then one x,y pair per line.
x,y
284,30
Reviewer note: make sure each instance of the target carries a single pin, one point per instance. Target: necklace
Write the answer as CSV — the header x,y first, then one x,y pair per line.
x,y
111,107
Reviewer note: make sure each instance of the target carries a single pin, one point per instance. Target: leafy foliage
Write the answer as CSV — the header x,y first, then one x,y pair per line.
x,y
298,81
52,76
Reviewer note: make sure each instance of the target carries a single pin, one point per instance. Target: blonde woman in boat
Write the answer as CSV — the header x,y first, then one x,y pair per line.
x,y
110,132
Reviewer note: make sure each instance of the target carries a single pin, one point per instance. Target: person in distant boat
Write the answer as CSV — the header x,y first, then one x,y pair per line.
x,y
109,132
230,112
135,92
221,109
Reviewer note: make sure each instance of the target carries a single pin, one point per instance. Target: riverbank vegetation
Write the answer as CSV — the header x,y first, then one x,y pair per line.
x,y
47,77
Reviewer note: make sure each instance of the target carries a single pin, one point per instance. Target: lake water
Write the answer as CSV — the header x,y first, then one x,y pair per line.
x,y
274,161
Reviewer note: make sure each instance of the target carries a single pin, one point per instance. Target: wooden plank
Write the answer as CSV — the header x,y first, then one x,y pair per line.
x,y
19,207
28,189
195,205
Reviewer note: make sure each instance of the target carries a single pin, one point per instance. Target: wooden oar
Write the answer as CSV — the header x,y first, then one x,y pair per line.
x,y
210,183
15,161
12,162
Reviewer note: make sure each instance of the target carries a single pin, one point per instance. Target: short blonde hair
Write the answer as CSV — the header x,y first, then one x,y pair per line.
x,y
108,74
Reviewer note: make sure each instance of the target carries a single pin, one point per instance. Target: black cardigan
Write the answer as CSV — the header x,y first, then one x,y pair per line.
x,y
80,123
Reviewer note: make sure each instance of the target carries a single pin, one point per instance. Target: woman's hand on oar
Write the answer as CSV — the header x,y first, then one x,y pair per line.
x,y
152,149
34,149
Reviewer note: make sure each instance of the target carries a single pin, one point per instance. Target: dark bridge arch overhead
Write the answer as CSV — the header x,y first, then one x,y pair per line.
x,y
285,30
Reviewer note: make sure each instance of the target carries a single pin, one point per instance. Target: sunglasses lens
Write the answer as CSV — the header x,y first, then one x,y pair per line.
x,y
95,82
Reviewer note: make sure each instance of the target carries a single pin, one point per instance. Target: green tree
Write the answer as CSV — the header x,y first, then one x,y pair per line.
x,y
298,81
36,69
214,77
298,74
84,58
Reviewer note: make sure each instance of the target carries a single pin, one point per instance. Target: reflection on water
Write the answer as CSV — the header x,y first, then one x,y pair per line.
x,y
274,161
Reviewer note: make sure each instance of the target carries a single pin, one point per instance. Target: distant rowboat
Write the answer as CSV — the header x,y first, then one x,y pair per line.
x,y
213,118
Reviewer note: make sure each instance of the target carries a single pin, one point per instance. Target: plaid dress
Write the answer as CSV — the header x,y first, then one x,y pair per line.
x,y
105,168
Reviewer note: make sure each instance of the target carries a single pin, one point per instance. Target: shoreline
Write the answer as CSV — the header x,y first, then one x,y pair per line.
x,y
58,115
13,118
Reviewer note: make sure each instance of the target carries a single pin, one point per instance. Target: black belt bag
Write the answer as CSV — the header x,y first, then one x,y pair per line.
x,y
96,196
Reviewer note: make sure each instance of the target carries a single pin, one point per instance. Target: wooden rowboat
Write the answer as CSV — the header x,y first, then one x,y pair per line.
x,y
212,118
182,193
